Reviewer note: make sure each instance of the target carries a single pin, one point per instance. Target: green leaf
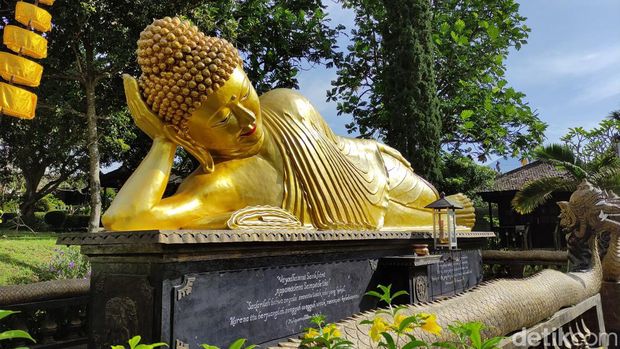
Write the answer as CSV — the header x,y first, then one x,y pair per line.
x,y
133,342
476,339
207,346
483,24
5,313
406,322
237,344
374,294
466,114
398,294
492,343
446,345
118,347
415,344
493,32
15,334
151,346
389,340
459,25
455,36
444,28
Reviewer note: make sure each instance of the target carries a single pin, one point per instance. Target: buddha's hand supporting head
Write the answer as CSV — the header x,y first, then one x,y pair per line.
x,y
196,86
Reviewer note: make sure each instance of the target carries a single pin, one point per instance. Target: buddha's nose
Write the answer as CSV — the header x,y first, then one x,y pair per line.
x,y
244,114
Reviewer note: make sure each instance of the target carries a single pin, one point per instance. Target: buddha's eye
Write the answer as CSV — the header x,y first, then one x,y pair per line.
x,y
246,94
224,121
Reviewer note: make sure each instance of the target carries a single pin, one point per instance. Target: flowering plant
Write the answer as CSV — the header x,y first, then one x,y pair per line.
x,y
392,329
67,263
324,336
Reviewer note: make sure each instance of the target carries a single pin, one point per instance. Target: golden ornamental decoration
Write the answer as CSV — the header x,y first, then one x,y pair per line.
x,y
263,217
16,69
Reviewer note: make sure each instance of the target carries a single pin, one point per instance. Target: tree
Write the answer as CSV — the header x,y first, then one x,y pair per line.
x,y
481,114
592,145
462,174
51,148
276,38
410,93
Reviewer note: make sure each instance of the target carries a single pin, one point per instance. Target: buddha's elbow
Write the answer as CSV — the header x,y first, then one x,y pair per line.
x,y
113,221
110,221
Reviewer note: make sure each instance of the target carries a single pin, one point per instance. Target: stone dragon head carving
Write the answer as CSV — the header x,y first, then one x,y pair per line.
x,y
589,212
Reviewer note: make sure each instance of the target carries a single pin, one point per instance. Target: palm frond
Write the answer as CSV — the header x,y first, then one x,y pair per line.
x,y
556,152
537,192
614,115
607,178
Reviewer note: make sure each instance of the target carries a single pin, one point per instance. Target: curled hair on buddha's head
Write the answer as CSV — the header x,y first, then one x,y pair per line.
x,y
181,67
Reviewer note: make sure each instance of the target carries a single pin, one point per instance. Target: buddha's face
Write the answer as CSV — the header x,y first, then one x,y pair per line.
x,y
229,123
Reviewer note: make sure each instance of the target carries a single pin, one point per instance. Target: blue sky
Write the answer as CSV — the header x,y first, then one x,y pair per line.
x,y
569,70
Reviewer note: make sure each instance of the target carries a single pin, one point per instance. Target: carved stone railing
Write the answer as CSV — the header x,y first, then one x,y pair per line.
x,y
517,264
53,312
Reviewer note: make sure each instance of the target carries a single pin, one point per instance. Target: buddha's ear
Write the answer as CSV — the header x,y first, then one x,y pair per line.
x,y
201,154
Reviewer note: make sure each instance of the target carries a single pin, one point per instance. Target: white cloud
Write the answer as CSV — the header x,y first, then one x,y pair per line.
x,y
600,90
548,65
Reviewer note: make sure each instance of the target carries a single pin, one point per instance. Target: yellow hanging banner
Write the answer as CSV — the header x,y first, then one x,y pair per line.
x,y
20,70
24,41
33,16
15,101
47,2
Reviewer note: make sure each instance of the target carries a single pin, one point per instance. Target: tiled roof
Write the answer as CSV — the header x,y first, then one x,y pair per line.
x,y
517,178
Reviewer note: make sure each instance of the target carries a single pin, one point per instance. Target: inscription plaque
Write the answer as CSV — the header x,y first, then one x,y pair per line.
x,y
266,304
458,271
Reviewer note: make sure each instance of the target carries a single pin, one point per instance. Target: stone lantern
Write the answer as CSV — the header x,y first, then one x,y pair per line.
x,y
444,222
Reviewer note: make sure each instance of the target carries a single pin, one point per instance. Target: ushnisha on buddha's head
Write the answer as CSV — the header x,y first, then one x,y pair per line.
x,y
196,85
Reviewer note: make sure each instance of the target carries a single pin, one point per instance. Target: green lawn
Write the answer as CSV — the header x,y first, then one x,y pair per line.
x,y
23,254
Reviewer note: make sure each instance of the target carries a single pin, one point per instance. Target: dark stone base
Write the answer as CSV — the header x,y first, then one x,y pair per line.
x,y
188,288
610,295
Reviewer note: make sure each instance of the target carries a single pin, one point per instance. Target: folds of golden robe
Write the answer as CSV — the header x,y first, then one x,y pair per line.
x,y
25,42
33,16
17,102
20,70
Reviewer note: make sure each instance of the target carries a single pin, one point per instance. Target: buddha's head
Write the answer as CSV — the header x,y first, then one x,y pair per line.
x,y
197,86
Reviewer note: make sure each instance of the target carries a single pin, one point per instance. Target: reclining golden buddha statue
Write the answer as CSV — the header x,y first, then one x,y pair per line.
x,y
268,161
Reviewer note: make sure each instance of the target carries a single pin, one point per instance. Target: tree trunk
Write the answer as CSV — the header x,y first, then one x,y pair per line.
x,y
32,178
93,155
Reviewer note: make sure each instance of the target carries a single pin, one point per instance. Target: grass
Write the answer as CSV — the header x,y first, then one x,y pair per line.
x,y
23,255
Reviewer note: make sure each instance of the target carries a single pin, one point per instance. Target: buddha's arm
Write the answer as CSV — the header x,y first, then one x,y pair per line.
x,y
143,191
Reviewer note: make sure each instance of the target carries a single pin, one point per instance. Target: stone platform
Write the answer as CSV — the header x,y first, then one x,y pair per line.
x,y
186,288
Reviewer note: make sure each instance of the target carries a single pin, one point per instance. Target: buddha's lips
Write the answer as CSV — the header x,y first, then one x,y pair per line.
x,y
250,132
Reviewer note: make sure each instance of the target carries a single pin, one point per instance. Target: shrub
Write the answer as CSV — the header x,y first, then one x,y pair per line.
x,y
7,218
55,219
76,222
49,203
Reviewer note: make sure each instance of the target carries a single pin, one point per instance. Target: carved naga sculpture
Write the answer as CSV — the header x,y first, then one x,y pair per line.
x,y
266,161
507,305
